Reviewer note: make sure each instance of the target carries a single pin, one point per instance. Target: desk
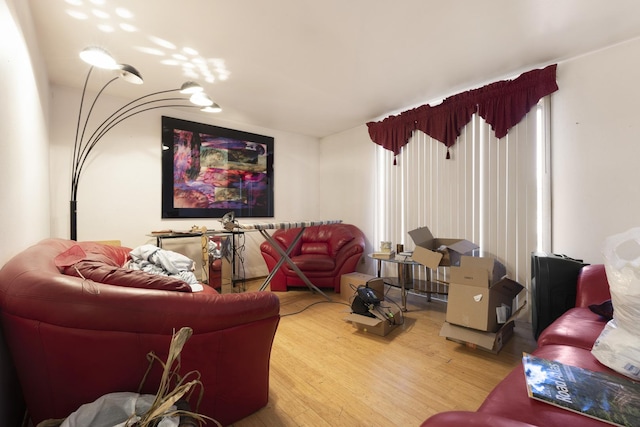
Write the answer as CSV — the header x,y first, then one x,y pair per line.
x,y
284,253
405,280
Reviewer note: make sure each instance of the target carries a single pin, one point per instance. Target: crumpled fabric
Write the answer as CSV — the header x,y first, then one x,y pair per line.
x,y
155,260
115,410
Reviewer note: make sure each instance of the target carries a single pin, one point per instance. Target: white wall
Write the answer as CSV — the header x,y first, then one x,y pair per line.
x,y
595,136
24,163
347,173
120,191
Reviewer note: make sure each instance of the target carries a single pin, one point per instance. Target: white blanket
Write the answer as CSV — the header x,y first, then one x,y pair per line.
x,y
155,260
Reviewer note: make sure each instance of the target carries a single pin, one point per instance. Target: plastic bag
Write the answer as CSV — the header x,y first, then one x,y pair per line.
x,y
618,346
114,410
618,349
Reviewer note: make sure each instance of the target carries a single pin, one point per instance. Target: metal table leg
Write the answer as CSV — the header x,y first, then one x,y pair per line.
x,y
405,277
284,257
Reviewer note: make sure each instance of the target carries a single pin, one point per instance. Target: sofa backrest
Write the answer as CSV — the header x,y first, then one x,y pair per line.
x,y
325,239
593,286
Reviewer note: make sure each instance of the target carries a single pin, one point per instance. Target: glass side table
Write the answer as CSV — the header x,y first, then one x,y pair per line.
x,y
405,274
405,279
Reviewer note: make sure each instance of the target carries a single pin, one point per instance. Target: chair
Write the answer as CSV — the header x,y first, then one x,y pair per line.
x,y
324,253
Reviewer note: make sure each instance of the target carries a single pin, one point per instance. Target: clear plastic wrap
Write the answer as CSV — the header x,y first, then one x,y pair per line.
x,y
618,346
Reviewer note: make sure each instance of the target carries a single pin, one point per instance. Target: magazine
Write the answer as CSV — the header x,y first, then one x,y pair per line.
x,y
599,395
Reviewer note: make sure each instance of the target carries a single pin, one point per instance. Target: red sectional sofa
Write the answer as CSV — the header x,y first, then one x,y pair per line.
x,y
73,340
324,253
569,340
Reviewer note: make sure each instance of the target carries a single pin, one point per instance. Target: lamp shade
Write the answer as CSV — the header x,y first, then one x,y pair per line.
x,y
190,87
130,74
213,108
201,99
98,57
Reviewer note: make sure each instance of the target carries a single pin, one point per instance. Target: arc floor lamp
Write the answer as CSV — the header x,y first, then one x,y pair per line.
x,y
190,95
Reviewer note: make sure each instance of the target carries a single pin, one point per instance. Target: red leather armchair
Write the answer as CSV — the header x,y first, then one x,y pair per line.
x,y
323,254
72,340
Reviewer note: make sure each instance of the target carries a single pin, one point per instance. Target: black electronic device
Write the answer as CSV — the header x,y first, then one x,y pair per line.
x,y
554,281
358,306
368,296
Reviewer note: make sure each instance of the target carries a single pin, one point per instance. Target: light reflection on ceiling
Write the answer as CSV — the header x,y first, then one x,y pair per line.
x,y
109,19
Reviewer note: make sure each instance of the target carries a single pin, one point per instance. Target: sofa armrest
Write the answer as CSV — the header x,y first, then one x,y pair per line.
x,y
471,419
267,248
593,286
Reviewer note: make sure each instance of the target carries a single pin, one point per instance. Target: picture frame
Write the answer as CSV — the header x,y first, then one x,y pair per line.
x,y
208,171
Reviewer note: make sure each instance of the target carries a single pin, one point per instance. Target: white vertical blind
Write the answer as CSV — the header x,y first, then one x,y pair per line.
x,y
493,192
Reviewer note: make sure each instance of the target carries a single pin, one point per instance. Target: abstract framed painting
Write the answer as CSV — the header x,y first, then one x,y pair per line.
x,y
208,171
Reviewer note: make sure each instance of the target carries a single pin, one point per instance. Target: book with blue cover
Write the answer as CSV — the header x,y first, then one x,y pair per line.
x,y
606,397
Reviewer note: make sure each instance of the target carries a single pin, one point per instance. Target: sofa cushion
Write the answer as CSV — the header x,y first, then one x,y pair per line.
x,y
75,254
577,327
100,272
111,255
310,263
118,254
510,399
471,419
319,248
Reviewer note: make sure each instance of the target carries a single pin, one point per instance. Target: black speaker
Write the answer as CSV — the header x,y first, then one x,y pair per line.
x,y
554,280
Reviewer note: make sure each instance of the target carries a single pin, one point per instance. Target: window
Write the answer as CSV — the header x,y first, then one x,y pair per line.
x,y
493,192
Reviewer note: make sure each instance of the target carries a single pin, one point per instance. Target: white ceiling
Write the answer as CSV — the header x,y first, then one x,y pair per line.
x,y
318,67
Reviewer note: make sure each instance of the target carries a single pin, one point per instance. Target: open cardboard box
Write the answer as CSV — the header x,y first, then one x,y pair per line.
x,y
378,325
487,341
483,340
433,252
478,289
351,281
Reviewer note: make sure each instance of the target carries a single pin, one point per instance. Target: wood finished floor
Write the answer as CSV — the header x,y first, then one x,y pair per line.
x,y
326,373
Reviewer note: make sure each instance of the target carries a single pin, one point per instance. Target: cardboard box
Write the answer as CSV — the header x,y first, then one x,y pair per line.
x,y
432,252
477,289
487,341
378,325
349,282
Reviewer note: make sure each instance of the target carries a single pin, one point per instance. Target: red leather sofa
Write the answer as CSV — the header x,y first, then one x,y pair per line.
x,y
324,253
568,339
74,340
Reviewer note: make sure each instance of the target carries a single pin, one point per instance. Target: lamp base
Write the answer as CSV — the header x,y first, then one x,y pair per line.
x,y
73,226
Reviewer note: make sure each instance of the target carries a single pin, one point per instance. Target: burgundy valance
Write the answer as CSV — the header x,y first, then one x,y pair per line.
x,y
501,104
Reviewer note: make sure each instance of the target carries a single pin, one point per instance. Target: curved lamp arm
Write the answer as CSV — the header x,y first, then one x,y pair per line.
x,y
82,147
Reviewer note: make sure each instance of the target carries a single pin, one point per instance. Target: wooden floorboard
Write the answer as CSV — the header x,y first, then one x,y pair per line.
x,y
324,372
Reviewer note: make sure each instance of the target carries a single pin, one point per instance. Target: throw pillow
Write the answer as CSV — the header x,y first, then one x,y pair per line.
x,y
76,254
604,309
114,275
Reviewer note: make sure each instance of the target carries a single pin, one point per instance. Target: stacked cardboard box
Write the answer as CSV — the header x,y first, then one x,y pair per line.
x,y
482,304
482,301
